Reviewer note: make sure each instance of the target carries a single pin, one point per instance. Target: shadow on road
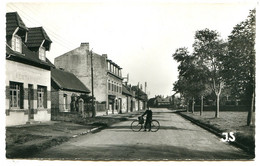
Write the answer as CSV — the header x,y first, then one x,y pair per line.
x,y
128,128
138,151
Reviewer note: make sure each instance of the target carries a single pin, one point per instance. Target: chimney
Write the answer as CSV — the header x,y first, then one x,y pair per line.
x,y
85,45
104,55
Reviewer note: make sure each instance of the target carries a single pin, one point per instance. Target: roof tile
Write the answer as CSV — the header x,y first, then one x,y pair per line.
x,y
68,81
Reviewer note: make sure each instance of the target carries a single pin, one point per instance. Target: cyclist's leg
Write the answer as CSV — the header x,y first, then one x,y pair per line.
x,y
145,125
149,125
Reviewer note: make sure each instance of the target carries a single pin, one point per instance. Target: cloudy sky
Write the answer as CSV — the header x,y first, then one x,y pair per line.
x,y
140,36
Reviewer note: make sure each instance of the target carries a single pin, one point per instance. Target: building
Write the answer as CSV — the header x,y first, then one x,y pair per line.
x,y
107,76
128,104
141,98
161,101
28,73
66,90
114,86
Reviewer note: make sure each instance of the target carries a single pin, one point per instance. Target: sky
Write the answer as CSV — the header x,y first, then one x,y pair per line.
x,y
139,36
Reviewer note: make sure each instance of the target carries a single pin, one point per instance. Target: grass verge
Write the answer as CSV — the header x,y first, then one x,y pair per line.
x,y
227,122
25,140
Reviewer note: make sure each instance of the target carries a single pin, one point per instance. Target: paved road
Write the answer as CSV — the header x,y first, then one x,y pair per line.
x,y
177,139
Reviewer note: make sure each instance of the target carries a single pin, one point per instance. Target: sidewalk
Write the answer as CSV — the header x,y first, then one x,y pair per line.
x,y
24,140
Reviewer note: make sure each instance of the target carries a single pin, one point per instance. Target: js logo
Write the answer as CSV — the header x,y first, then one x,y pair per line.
x,y
228,137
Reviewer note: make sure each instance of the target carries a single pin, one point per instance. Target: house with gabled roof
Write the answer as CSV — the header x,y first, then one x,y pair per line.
x,y
66,89
28,73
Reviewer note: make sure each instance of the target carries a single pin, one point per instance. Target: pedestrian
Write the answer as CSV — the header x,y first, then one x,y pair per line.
x,y
149,117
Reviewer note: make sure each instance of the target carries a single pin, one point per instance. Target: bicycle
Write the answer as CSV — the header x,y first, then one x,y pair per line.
x,y
137,125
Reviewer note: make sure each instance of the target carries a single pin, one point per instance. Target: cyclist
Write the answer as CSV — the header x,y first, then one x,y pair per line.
x,y
149,117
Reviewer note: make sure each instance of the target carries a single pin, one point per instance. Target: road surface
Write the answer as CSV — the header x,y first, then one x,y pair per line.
x,y
177,139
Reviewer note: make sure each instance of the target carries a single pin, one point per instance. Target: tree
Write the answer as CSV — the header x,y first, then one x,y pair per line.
x,y
191,79
239,64
209,50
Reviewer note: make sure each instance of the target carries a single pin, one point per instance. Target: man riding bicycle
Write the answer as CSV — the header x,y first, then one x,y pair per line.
x,y
149,117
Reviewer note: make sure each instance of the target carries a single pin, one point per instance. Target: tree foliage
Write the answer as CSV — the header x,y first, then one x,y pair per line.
x,y
209,50
240,61
239,64
191,82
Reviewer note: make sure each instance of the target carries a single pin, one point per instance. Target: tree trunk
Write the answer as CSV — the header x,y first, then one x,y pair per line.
x,y
192,105
250,111
201,105
217,109
188,104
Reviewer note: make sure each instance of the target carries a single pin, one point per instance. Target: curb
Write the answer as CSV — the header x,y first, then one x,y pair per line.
x,y
216,131
93,130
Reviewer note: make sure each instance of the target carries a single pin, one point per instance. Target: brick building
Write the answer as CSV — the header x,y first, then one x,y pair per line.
x,y
28,73
66,89
107,75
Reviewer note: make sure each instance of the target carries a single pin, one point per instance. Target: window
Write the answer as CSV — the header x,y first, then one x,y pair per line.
x,y
108,66
41,97
42,53
65,100
16,95
120,88
17,43
108,85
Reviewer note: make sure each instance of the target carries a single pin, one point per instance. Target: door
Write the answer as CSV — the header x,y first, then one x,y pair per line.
x,y
30,102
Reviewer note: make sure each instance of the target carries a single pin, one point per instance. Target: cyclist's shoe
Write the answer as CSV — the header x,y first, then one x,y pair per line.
x,y
149,130
144,129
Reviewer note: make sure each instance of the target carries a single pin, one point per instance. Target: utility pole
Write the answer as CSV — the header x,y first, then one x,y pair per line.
x,y
145,86
92,85
138,96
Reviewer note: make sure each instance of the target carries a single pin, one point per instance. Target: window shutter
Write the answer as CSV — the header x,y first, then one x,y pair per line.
x,y
45,98
21,96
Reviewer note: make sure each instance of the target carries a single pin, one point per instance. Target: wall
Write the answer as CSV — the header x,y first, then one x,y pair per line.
x,y
124,104
26,74
78,62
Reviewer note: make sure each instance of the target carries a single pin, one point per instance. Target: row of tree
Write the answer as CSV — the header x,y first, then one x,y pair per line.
x,y
215,64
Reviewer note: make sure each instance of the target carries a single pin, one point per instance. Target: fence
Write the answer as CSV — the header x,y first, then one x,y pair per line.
x,y
60,113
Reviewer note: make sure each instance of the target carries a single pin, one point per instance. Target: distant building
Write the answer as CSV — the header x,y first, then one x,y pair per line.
x,y
141,98
28,74
66,89
107,75
162,101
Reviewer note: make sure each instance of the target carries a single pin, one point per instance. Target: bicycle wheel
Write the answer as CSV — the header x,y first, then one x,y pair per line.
x,y
136,126
155,125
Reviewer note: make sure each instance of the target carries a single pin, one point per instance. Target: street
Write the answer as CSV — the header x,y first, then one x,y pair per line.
x,y
177,139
